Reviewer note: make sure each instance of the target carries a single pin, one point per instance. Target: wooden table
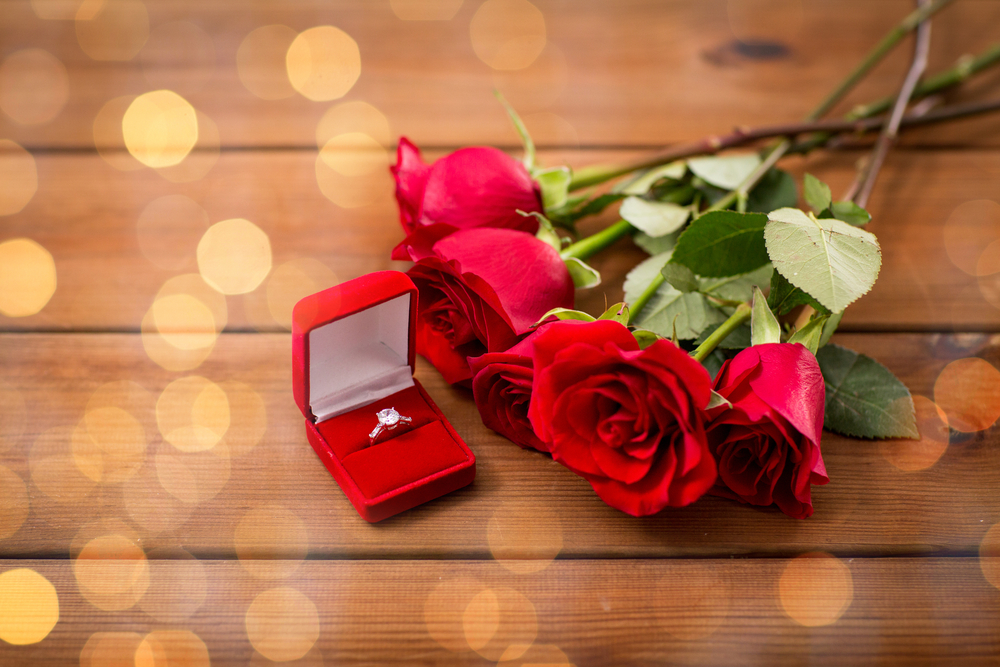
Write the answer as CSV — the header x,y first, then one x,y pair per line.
x,y
246,552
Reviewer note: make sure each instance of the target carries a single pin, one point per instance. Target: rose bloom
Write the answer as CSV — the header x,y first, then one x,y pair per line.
x,y
470,188
767,444
630,421
479,290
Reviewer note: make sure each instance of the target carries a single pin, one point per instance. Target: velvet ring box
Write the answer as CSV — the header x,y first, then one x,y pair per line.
x,y
353,354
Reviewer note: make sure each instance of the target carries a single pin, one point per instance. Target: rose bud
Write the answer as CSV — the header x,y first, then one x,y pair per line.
x,y
629,421
480,289
767,444
470,188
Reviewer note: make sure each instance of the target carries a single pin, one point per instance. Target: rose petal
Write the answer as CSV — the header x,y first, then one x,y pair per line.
x,y
411,174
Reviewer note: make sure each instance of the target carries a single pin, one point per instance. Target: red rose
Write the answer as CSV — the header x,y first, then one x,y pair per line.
x,y
472,187
480,289
767,444
630,421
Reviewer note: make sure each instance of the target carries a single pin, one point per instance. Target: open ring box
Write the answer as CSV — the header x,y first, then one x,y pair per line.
x,y
353,350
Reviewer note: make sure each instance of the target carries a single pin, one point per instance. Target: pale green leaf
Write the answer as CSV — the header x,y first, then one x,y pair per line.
x,y
764,327
655,218
817,193
641,184
680,277
726,172
850,213
811,334
554,184
691,313
583,275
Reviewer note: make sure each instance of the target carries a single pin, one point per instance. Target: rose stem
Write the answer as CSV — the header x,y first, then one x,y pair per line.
x,y
741,315
594,243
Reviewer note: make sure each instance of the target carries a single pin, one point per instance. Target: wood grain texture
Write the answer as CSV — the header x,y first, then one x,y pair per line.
x,y
903,611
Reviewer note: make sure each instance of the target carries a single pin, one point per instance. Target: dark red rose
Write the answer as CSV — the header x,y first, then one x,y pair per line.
x,y
767,444
470,188
630,421
480,289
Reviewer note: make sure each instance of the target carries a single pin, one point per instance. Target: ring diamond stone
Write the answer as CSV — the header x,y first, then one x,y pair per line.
x,y
388,419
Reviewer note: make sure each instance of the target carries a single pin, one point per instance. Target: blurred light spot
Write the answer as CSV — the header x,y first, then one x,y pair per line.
x,y
34,86
112,572
260,62
753,21
989,262
972,227
202,157
548,128
500,624
292,281
696,600
323,63
234,256
13,502
54,470
184,322
177,585
179,55
354,154
150,505
109,445
56,10
968,391
444,610
160,128
13,416
314,658
910,455
815,589
194,477
193,414
353,117
425,10
524,538
108,137
166,648
989,555
538,86
27,277
29,607
271,542
181,339
110,649
169,229
192,284
248,418
282,624
117,30
540,655
507,34
366,179
127,395
166,355
18,177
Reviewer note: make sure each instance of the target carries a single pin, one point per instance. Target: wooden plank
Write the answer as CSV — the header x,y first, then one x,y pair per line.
x,y
646,73
721,612
110,268
940,500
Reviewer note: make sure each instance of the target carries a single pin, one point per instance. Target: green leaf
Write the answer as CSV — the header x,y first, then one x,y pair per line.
x,y
725,172
784,296
775,190
645,338
657,245
583,275
723,243
810,334
617,312
554,184
830,328
716,400
522,131
831,260
817,193
680,277
737,288
566,314
737,340
764,327
691,313
850,213
863,398
641,184
653,217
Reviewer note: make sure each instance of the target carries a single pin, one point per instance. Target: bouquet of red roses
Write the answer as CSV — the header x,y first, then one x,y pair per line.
x,y
698,382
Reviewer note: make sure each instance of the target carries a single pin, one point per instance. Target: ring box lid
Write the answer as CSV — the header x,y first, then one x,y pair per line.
x,y
353,344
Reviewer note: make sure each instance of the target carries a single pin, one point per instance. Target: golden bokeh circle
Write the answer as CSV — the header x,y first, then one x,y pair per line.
x,y
352,191
108,137
169,229
193,477
291,282
234,256
184,322
112,29
323,63
282,624
500,624
524,538
202,158
815,589
353,116
193,413
27,277
109,444
271,542
969,230
18,177
160,128
912,455
112,572
110,649
540,655
444,610
354,154
260,62
29,607
166,648
14,504
968,391
508,34
150,506
34,86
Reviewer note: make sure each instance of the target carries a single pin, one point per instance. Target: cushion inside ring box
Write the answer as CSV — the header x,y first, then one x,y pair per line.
x,y
353,355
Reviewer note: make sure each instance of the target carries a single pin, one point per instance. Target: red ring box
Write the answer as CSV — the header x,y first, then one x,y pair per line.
x,y
353,350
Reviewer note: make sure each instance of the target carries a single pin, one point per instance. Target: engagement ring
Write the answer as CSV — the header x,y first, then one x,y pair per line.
x,y
388,420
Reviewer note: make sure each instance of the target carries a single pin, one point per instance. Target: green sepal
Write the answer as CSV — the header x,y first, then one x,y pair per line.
x,y
584,276
811,334
764,327
546,232
645,338
566,314
717,400
617,312
554,184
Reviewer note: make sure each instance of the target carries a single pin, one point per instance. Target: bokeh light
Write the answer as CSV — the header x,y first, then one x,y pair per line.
x,y
110,649
234,256
271,542
500,624
696,598
524,537
323,63
352,170
151,506
282,624
911,455
351,117
354,154
34,86
160,128
444,610
109,445
260,62
970,229
989,555
179,55
13,416
184,322
968,391
29,607
112,572
27,277
292,281
815,589
18,177
752,21
177,585
112,29
247,418
193,285
14,504
202,157
508,34
108,137
539,655
169,229
54,470
193,477
193,414
165,648
425,10
180,329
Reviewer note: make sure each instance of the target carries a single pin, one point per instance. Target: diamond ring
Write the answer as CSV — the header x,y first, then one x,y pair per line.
x,y
388,420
